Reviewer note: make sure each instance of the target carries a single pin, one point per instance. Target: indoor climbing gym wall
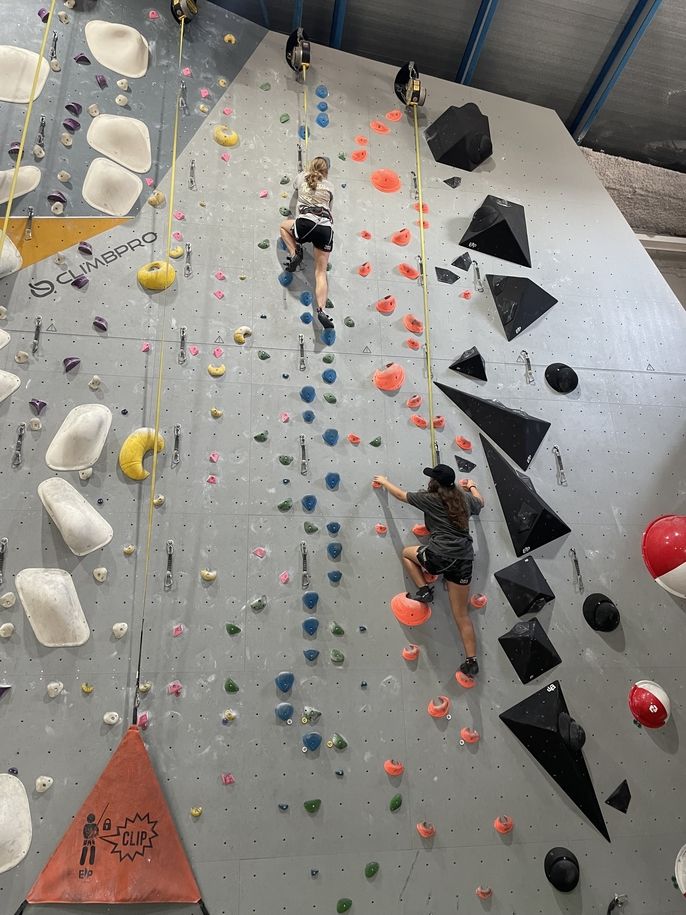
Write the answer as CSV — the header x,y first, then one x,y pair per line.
x,y
215,695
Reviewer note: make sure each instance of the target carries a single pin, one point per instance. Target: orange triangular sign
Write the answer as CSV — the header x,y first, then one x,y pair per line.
x,y
122,846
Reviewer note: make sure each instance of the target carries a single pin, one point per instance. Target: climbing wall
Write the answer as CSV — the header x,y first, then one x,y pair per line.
x,y
236,502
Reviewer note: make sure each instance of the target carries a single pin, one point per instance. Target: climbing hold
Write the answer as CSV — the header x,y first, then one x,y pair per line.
x,y
359,155
54,688
232,629
414,325
285,278
349,322
333,527
285,459
284,118
426,830
285,505
328,358
386,180
381,529
478,600
306,317
111,718
156,276
410,652
334,550
311,654
439,422
208,574
330,398
371,869
321,91
337,741
310,625
330,436
311,740
196,812
376,442
284,681
332,480
6,630
285,577
307,393
322,119
503,825
394,115
387,305
390,378
329,376
70,363
322,106
337,656
414,402
402,238
336,628
313,805
439,708
328,336
87,688
284,712
262,354
463,443
379,127
310,599
469,735
216,371
649,704
224,136
228,715
43,783
354,439
483,892
408,271
261,436
283,806
216,413
230,686
310,528
309,503
465,681
395,803
334,576
419,421
136,446
240,334
409,612
365,269
344,905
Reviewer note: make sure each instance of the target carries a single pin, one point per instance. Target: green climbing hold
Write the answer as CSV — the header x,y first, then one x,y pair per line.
x,y
328,358
344,905
261,436
329,266
263,354
329,303
336,628
285,118
338,741
371,869
263,244
313,805
310,528
286,505
266,87
376,442
396,802
337,656
232,628
330,398
258,603
342,156
285,459
285,180
348,322
230,685
285,212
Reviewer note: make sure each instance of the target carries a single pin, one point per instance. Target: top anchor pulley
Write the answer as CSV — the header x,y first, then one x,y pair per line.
x,y
408,86
184,10
298,50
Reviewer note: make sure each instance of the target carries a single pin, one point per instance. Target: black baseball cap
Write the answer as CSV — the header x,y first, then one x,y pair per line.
x,y
600,613
562,869
442,474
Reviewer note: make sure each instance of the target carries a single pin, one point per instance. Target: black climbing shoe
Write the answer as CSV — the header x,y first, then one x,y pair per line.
x,y
294,260
425,595
324,319
470,667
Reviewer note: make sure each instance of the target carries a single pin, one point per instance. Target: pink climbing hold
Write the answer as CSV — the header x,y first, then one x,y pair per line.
x,y
227,111
187,71
225,156
220,275
193,350
466,294
218,294
212,478
264,193
143,720
214,456
150,181
179,214
284,417
177,236
174,688
260,552
145,347
217,352
153,14
178,630
227,778
439,422
204,93
285,577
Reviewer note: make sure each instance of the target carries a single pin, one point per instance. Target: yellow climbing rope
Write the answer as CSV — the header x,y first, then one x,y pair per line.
x,y
25,128
307,129
425,291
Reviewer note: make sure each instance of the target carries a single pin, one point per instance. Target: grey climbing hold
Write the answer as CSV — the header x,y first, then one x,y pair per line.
x,y
285,212
263,354
285,459
285,179
310,528
258,603
261,436
348,322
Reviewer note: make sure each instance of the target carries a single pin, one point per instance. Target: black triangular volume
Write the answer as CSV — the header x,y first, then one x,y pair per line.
x,y
531,522
534,722
446,276
519,301
454,182
463,465
498,227
620,797
524,586
463,262
529,650
517,433
471,363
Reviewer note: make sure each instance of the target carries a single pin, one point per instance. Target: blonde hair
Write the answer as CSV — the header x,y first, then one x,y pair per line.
x,y
317,171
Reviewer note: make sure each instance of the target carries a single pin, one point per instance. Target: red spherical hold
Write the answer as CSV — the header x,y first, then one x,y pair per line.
x,y
649,704
664,552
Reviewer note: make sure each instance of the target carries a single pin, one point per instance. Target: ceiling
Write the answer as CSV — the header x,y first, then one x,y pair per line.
x,y
542,51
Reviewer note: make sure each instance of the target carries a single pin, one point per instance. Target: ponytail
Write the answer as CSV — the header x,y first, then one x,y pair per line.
x,y
317,171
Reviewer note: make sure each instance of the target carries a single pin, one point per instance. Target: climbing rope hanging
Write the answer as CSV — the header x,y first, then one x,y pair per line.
x,y
25,128
298,59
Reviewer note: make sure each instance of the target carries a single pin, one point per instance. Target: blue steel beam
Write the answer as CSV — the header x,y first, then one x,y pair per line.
x,y
337,23
639,20
477,37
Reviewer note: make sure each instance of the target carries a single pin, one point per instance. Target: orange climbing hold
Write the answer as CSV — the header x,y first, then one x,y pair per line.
x,y
402,237
478,600
419,421
365,234
465,681
376,485
393,768
410,652
466,294
414,402
409,612
425,207
484,892
426,830
469,735
439,708
425,223
386,306
365,269
414,325
389,378
354,439
503,825
379,127
386,180
420,530
359,155
439,422
412,343
394,115
463,443
381,529
407,270
361,140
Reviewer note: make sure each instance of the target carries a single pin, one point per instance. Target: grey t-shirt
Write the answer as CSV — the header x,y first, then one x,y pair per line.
x,y
445,539
321,196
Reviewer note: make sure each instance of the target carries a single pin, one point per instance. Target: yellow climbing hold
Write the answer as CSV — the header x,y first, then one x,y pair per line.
x,y
222,82
229,38
241,333
224,136
175,252
216,371
134,449
203,108
215,412
158,501
196,811
157,199
156,276
208,574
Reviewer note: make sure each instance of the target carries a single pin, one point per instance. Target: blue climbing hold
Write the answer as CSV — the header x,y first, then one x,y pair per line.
x,y
306,317
334,549
330,436
281,245
285,278
323,119
308,416
328,336
284,681
284,711
301,131
310,625
306,298
310,599
335,576
312,740
311,654
321,91
333,527
308,393
332,480
322,106
309,503
329,376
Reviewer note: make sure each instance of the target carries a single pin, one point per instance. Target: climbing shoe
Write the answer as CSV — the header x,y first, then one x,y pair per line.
x,y
425,595
470,667
294,260
324,319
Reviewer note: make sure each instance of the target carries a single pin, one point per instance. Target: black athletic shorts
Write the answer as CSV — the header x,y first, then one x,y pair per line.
x,y
458,571
321,236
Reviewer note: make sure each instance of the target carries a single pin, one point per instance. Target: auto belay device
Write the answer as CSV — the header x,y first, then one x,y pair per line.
x,y
408,86
184,10
298,50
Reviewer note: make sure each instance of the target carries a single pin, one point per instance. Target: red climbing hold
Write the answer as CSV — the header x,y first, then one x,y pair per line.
x,y
413,344
414,325
420,530
463,443
386,306
426,830
407,270
425,223
386,180
439,708
410,652
379,127
425,207
380,529
361,140
402,237
354,439
394,115
469,735
359,155
466,294
365,234
365,269
503,825
389,378
478,600
439,422
409,612
484,892
414,402
419,421
376,485
393,768
465,681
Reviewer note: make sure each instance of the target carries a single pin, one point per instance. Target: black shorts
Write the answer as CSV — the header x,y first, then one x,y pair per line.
x,y
459,571
321,236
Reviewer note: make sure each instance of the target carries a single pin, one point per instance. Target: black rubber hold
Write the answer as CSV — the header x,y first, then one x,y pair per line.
x,y
620,797
529,650
524,586
463,465
463,262
471,363
453,182
519,301
446,276
498,227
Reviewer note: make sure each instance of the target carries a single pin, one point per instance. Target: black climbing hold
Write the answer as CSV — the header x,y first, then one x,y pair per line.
x,y
453,182
562,869
529,650
460,137
600,613
498,227
516,432
446,276
561,378
361,628
340,773
363,684
535,723
283,806
314,872
620,797
531,521
124,412
463,465
524,586
471,363
519,301
463,262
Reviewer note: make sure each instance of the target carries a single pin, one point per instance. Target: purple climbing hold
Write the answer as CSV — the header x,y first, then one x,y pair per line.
x,y
80,281
14,148
37,405
70,363
74,108
56,197
82,58
85,248
100,323
71,124
101,80
43,14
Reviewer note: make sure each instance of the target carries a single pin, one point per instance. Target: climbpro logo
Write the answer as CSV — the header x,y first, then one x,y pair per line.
x,y
129,840
42,288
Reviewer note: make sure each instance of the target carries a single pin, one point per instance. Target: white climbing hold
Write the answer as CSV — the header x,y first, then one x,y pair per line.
x,y
119,630
111,718
8,600
38,152
43,782
100,574
121,100
21,357
66,140
63,176
123,84
86,473
57,208
55,65
95,383
15,822
6,630
54,689
35,425
158,501
52,607
63,17
80,439
93,110
129,549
